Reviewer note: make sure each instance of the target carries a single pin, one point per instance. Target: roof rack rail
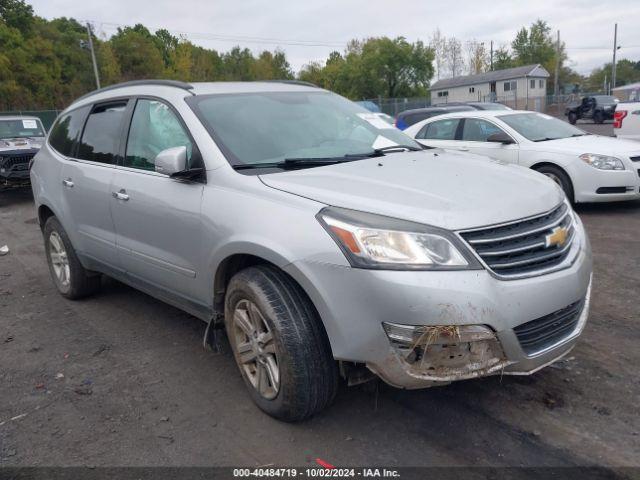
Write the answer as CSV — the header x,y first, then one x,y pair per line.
x,y
293,82
133,83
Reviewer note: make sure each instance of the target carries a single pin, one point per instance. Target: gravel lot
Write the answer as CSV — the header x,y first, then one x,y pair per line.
x,y
122,379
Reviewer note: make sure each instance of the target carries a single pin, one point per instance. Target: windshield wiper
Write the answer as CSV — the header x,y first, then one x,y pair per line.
x,y
294,163
302,162
545,139
411,148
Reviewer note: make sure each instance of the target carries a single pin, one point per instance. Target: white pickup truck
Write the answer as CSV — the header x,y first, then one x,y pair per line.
x,y
626,120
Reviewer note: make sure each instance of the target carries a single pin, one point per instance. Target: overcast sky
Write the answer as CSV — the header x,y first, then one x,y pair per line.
x,y
586,26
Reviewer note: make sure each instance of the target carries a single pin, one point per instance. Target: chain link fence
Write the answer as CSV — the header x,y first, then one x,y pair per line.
x,y
47,117
550,104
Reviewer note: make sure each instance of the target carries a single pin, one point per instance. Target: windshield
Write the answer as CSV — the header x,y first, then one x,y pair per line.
x,y
21,128
493,106
605,99
538,127
271,127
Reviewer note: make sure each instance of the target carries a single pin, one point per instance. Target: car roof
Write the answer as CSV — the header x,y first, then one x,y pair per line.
x,y
480,114
17,117
174,87
438,108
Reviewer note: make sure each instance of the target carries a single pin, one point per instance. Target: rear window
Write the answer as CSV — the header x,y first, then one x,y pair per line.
x,y
65,132
101,137
440,130
418,117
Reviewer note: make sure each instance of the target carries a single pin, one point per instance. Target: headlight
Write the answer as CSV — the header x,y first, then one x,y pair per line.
x,y
375,241
602,162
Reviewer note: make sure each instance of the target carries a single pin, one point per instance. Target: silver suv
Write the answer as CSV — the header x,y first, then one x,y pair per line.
x,y
325,241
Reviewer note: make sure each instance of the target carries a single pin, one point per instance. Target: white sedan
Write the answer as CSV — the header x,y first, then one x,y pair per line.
x,y
589,168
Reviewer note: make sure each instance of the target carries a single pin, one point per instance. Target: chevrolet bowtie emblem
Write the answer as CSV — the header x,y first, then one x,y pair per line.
x,y
557,237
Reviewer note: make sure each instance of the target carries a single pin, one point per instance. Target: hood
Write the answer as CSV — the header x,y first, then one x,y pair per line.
x,y
590,144
436,187
21,143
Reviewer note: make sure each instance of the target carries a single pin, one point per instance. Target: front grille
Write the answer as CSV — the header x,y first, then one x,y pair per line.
x,y
525,247
546,331
11,161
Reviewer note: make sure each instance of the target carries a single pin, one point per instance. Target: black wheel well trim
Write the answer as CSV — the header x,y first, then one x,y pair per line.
x,y
44,213
554,165
234,263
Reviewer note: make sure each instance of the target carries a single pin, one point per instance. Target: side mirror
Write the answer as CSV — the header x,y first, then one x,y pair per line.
x,y
171,160
500,137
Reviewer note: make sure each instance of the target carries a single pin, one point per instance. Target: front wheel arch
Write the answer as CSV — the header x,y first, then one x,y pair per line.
x,y
550,165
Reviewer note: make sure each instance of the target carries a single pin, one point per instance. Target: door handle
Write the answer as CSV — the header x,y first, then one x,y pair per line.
x,y
67,183
463,149
121,195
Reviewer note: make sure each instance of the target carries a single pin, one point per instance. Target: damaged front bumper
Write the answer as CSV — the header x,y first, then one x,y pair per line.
x,y
437,355
365,311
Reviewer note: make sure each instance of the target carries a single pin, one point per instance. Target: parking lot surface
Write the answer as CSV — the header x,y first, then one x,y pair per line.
x,y
122,379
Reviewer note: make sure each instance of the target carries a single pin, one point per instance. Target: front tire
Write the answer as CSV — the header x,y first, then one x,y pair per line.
x,y
279,344
560,177
573,118
72,280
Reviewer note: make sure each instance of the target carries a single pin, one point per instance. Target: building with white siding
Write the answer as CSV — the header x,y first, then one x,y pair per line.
x,y
523,88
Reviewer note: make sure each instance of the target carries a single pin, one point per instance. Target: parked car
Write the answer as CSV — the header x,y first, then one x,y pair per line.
x,y
478,105
596,107
589,168
386,118
411,117
327,243
20,139
626,121
369,105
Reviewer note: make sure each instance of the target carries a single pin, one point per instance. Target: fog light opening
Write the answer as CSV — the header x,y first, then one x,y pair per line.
x,y
446,350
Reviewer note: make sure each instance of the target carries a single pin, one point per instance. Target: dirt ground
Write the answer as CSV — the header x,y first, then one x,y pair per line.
x,y
121,379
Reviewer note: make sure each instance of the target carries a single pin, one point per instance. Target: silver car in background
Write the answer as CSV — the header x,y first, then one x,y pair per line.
x,y
326,242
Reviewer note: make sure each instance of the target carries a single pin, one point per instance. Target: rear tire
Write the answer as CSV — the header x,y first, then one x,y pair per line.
x,y
573,118
276,334
560,177
598,117
71,279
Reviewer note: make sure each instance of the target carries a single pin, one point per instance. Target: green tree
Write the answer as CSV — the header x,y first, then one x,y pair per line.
x,y
375,67
627,72
17,14
109,66
502,59
137,53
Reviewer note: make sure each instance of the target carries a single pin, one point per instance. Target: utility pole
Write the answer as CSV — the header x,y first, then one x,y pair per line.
x,y
491,58
453,64
615,49
556,86
93,56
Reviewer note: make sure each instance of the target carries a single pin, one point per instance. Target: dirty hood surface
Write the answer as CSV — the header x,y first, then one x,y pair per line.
x,y
20,143
435,187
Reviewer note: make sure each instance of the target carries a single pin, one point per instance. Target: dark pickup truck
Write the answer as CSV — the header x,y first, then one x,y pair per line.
x,y
595,107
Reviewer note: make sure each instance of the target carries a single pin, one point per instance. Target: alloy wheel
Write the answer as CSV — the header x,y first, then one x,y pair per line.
x,y
59,259
255,349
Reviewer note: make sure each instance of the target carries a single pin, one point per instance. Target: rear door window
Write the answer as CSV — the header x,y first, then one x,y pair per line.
x,y
64,134
102,133
440,130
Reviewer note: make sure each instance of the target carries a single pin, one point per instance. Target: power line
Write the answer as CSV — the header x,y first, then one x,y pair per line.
x,y
237,38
